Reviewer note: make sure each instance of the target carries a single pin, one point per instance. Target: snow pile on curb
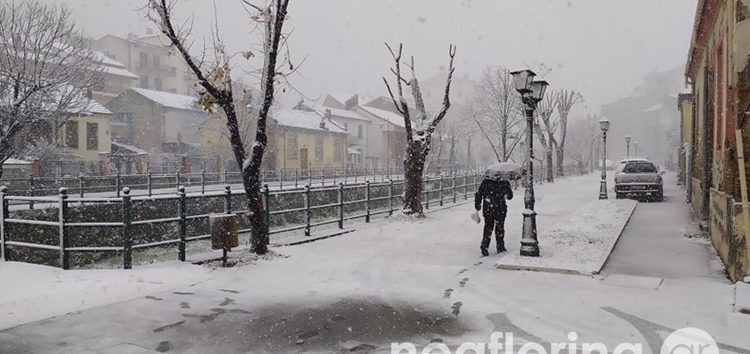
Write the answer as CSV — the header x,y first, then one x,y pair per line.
x,y
579,244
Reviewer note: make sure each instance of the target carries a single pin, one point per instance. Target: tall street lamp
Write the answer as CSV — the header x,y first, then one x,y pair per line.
x,y
531,93
604,124
627,142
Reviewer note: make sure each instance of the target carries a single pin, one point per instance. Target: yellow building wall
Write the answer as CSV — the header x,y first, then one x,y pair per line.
x,y
307,140
104,141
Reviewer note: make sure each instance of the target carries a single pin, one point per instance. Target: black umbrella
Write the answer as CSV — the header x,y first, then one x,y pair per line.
x,y
505,171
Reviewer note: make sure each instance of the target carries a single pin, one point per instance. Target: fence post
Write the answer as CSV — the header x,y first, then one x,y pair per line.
x,y
466,186
454,188
80,185
309,177
118,183
307,210
227,199
127,238
367,201
390,197
3,229
427,193
226,176
281,179
178,179
63,235
203,181
296,178
31,191
149,182
267,209
341,205
182,215
441,189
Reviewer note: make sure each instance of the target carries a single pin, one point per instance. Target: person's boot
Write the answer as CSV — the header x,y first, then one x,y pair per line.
x,y
485,253
501,244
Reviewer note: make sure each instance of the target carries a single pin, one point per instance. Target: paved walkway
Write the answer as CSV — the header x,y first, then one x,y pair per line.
x,y
654,242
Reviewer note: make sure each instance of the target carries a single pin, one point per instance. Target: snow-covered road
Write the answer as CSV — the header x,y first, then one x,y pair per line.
x,y
400,280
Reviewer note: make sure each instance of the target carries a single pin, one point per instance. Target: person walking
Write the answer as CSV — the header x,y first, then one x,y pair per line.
x,y
490,198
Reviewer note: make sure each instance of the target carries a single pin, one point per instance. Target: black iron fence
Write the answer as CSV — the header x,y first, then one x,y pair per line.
x,y
68,231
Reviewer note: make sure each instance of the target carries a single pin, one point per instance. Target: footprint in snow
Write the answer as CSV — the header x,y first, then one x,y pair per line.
x,y
463,281
457,307
462,271
447,293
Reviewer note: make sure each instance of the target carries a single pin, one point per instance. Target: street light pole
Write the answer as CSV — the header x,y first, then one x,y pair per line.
x,y
627,142
531,93
604,123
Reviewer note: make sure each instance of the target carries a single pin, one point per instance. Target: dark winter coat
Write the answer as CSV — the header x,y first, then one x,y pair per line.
x,y
490,198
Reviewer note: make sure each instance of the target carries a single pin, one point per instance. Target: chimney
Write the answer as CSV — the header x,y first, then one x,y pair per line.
x,y
352,102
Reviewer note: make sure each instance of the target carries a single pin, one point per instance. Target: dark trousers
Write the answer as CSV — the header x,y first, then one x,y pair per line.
x,y
496,223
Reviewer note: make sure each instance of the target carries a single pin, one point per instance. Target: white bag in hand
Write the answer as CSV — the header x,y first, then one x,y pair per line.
x,y
475,217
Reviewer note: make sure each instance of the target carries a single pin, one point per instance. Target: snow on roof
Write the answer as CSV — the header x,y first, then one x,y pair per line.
x,y
118,72
167,99
390,117
106,60
96,108
336,112
304,120
353,151
654,108
341,97
132,148
12,161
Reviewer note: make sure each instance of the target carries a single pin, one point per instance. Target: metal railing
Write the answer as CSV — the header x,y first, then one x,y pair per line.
x,y
159,183
286,210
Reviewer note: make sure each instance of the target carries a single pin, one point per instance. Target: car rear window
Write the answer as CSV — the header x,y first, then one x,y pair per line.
x,y
639,167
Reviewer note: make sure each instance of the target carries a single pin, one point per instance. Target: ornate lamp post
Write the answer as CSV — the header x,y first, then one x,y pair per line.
x,y
604,124
627,142
531,93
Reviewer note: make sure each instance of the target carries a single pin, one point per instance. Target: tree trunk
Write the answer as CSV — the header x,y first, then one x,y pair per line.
x,y
256,211
413,172
550,166
560,160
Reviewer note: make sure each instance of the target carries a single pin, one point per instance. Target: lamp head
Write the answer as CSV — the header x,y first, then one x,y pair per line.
x,y
522,80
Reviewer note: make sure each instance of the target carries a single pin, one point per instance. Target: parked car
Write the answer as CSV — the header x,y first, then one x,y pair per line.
x,y
639,178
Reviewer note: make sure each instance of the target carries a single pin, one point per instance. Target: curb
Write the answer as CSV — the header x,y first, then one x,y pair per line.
x,y
617,239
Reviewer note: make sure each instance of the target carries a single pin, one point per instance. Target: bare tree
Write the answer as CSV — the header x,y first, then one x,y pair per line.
x,y
419,129
566,99
216,83
545,127
47,71
497,104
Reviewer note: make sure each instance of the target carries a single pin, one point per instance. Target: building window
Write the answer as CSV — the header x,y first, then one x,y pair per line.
x,y
143,59
360,131
92,136
157,84
338,150
292,149
318,148
346,126
71,134
144,82
156,61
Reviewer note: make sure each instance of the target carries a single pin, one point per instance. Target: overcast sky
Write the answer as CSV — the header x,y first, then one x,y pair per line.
x,y
602,48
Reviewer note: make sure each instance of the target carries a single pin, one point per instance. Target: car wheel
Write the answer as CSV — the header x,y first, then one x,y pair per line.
x,y
660,195
618,195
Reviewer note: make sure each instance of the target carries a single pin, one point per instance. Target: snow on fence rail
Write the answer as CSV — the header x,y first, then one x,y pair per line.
x,y
142,222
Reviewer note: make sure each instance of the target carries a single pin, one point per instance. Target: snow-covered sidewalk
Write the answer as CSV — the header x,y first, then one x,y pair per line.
x,y
581,243
393,280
